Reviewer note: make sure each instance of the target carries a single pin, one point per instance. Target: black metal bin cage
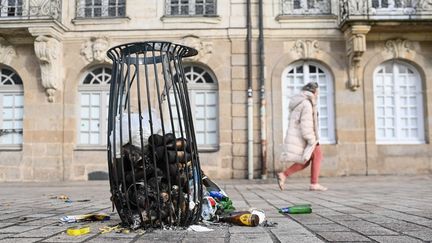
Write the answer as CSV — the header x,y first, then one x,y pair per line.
x,y
154,169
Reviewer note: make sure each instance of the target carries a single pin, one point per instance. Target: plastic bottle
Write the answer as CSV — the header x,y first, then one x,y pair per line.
x,y
242,218
299,209
217,195
208,208
211,186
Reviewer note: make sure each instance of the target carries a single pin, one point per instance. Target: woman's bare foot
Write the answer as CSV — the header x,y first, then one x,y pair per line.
x,y
317,187
281,180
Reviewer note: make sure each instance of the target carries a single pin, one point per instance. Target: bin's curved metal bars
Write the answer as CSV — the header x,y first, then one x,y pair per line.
x,y
153,162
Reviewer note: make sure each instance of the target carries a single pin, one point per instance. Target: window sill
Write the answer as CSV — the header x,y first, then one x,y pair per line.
x,y
91,148
100,21
4,147
208,149
400,142
327,142
191,19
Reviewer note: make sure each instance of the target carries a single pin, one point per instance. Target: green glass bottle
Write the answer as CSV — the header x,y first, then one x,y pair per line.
x,y
298,209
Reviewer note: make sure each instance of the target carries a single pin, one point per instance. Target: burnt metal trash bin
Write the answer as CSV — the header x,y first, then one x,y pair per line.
x,y
154,168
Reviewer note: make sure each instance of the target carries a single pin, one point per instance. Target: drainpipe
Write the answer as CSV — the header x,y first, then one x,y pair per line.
x,y
262,92
365,131
249,90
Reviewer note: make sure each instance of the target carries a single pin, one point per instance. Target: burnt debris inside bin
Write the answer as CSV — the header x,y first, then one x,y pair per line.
x,y
154,169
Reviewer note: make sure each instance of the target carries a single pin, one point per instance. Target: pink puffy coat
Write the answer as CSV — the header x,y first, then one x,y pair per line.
x,y
302,134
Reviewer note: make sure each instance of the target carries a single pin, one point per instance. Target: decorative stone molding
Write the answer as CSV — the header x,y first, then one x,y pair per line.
x,y
7,52
306,49
94,50
49,52
355,37
205,49
399,48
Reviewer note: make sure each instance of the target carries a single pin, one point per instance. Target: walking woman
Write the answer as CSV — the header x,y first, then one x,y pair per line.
x,y
302,139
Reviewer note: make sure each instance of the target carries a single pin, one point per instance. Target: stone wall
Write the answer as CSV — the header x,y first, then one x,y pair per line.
x,y
51,107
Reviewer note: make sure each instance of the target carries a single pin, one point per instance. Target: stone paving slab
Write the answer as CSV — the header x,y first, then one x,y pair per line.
x,y
354,209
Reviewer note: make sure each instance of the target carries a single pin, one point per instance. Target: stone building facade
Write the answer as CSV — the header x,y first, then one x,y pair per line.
x,y
372,59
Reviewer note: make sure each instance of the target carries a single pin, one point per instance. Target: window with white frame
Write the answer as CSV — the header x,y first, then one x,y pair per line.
x,y
12,104
398,104
11,8
94,97
203,96
294,78
190,7
390,4
304,7
101,8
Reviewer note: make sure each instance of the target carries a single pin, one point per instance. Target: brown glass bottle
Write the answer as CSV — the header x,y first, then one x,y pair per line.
x,y
171,155
242,218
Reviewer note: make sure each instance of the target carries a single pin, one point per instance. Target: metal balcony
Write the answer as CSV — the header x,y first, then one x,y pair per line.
x,y
28,9
384,10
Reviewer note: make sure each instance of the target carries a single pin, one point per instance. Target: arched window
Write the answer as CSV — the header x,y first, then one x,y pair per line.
x,y
398,104
203,96
293,79
94,97
12,104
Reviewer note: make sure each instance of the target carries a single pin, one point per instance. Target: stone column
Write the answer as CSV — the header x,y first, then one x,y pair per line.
x,y
44,137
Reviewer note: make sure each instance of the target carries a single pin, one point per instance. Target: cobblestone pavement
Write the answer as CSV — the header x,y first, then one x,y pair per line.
x,y
355,209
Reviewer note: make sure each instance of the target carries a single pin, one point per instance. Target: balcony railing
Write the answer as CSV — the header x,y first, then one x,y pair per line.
x,y
351,10
306,7
30,9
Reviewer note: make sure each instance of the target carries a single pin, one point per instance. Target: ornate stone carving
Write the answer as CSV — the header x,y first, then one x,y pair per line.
x,y
7,52
399,47
49,52
95,49
355,37
306,49
205,49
